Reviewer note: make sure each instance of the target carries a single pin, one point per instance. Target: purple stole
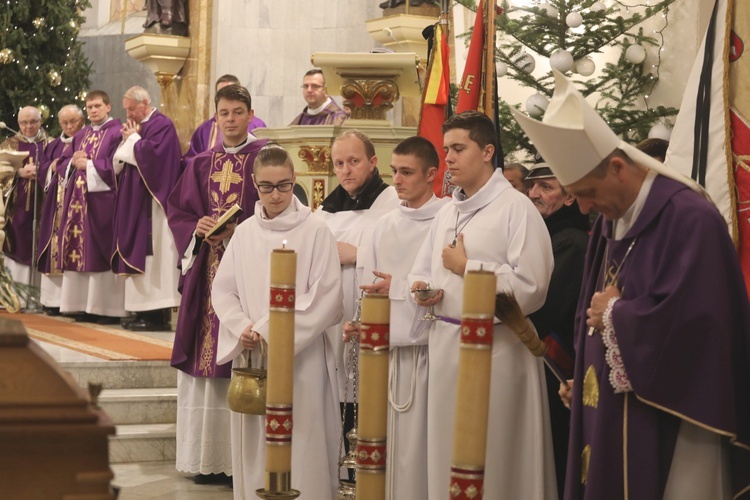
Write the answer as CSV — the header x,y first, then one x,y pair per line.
x,y
48,253
213,182
19,229
158,156
86,226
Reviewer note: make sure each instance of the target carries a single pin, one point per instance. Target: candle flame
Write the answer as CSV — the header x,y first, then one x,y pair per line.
x,y
283,244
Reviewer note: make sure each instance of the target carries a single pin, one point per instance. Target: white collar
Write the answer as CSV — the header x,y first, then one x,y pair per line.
x,y
291,217
65,139
315,111
491,190
96,128
425,212
236,149
148,117
624,223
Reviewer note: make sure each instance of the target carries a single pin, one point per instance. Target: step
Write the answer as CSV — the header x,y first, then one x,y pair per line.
x,y
143,443
139,406
123,374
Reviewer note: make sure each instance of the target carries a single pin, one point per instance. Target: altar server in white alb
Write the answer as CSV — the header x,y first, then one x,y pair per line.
x,y
397,238
241,300
487,225
351,210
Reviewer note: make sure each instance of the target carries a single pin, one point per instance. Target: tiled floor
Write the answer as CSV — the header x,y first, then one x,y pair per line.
x,y
152,480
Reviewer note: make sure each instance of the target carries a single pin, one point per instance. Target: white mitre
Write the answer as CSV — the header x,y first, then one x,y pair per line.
x,y
573,139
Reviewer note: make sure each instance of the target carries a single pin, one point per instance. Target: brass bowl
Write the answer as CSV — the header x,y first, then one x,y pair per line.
x,y
247,391
426,293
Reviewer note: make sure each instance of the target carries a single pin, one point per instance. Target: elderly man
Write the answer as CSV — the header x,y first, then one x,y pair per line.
x,y
516,175
25,195
661,380
208,135
49,260
568,230
148,165
320,109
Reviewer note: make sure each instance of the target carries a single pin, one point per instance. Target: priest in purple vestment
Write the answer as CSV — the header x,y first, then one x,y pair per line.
x,y
147,165
214,182
89,288
49,263
208,134
660,398
25,195
320,109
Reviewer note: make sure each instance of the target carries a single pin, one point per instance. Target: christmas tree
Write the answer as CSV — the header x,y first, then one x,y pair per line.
x,y
41,63
568,33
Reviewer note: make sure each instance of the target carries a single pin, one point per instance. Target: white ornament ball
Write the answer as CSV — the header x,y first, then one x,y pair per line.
x,y
549,9
536,104
585,66
574,20
660,131
501,69
635,54
561,60
526,62
598,7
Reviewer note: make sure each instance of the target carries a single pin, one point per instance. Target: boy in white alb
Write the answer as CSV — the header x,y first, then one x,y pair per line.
x,y
241,300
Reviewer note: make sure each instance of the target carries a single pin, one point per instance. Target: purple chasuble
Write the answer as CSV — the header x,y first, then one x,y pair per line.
x,y
86,225
48,246
19,228
332,114
208,135
212,183
158,156
683,331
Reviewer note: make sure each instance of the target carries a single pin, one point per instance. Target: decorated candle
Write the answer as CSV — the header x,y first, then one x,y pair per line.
x,y
373,397
473,386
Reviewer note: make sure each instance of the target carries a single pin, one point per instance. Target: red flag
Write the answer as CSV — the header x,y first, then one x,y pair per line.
x,y
435,101
470,90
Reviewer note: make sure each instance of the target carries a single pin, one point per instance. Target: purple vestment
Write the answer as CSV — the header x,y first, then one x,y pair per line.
x,y
212,183
19,228
683,330
158,156
86,224
332,114
208,135
48,247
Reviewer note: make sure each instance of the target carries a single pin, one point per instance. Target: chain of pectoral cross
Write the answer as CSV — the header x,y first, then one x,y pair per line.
x,y
612,273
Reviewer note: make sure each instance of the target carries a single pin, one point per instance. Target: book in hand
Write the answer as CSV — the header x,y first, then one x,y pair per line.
x,y
228,217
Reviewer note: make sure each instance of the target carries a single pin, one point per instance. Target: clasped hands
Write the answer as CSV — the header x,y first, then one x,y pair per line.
x,y
80,160
28,171
129,128
205,224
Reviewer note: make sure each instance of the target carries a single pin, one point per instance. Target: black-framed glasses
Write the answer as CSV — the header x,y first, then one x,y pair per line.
x,y
284,187
311,86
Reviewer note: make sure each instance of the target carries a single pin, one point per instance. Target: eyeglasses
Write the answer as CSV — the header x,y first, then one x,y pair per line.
x,y
284,187
311,86
28,124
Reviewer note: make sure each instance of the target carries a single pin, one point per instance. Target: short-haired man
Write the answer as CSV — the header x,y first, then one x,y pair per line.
x,y
89,287
662,380
148,165
516,175
25,194
488,225
213,183
397,238
568,230
52,175
350,211
208,135
320,109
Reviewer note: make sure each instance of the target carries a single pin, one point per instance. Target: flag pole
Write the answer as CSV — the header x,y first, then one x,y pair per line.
x,y
489,60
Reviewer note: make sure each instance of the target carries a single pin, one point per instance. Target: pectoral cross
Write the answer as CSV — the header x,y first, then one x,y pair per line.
x,y
226,177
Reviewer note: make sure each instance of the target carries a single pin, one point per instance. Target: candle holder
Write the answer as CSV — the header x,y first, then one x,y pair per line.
x,y
347,487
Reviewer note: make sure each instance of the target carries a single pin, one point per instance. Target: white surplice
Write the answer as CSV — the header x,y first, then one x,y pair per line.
x,y
240,296
396,240
503,233
354,227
